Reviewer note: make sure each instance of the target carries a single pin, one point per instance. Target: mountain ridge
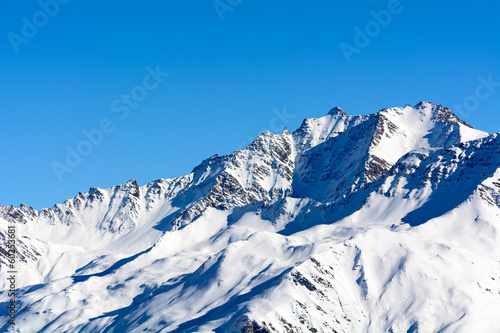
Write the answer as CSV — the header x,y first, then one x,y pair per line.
x,y
281,236
445,114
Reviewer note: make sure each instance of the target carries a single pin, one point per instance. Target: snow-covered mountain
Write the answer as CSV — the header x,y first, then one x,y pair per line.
x,y
388,222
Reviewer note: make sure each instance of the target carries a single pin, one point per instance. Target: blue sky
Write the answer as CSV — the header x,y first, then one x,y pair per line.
x,y
235,68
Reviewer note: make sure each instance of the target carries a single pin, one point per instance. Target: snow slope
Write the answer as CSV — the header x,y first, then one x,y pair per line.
x,y
387,222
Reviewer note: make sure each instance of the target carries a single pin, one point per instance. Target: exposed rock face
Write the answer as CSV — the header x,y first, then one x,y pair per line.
x,y
326,159
340,154
381,222
262,171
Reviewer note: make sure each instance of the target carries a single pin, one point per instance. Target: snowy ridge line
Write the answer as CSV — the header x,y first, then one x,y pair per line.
x,y
387,222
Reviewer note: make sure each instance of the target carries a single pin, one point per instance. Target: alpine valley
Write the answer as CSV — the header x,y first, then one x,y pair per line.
x,y
387,222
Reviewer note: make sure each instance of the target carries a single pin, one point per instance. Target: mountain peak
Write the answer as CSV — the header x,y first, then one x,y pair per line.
x,y
424,104
290,224
336,110
438,110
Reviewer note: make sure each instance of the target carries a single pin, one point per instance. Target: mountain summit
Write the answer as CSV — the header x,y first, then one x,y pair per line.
x,y
382,222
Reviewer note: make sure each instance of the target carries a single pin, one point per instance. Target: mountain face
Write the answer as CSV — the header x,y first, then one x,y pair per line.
x,y
387,222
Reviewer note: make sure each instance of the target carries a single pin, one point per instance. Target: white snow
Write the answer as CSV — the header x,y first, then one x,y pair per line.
x,y
417,249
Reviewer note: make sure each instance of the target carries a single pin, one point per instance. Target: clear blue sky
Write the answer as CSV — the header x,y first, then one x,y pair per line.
x,y
226,76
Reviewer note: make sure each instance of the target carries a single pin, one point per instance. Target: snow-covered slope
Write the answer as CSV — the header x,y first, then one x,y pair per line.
x,y
387,222
338,154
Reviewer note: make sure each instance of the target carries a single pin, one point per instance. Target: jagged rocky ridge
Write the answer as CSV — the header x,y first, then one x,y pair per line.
x,y
282,235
